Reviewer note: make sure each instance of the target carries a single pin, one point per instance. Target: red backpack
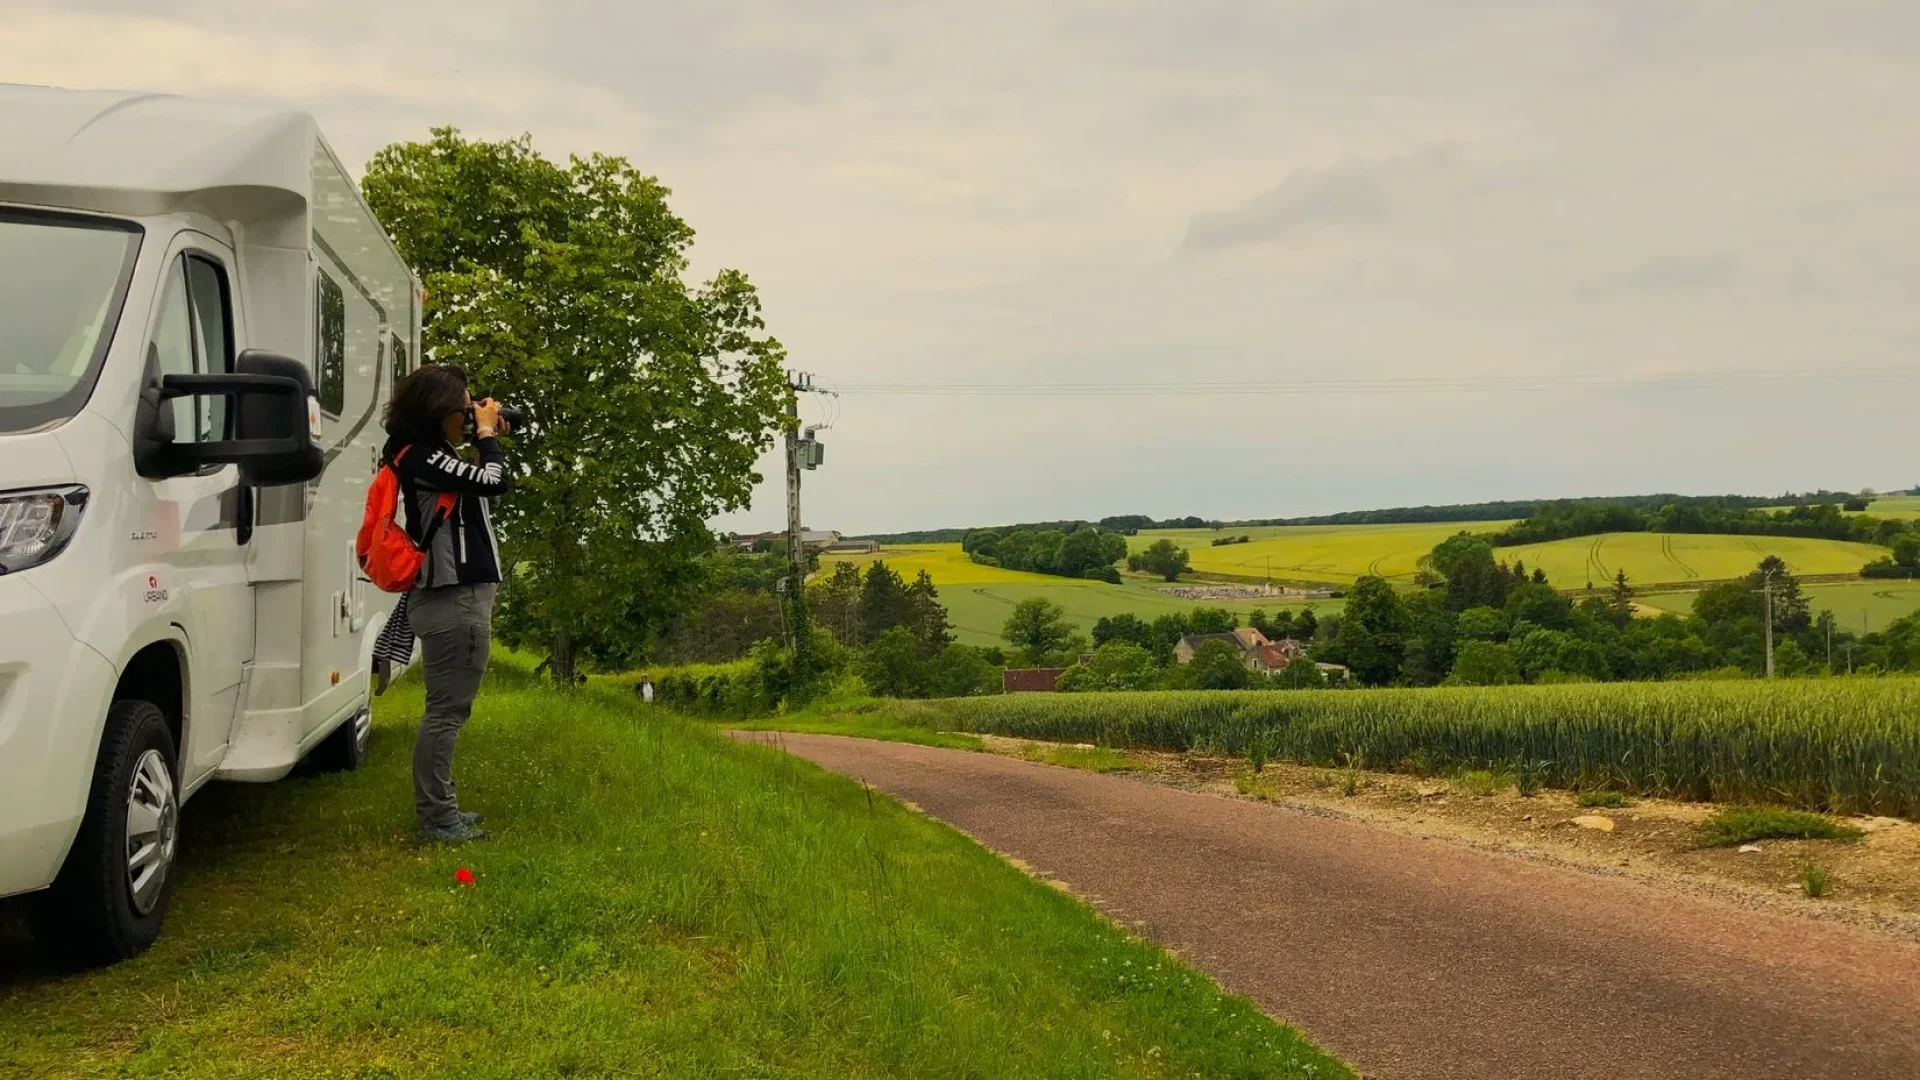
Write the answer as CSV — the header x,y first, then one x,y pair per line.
x,y
388,556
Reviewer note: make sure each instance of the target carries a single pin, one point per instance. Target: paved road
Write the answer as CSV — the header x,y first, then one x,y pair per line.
x,y
1421,960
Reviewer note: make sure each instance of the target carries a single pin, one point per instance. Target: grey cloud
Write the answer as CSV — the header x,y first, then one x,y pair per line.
x,y
1350,193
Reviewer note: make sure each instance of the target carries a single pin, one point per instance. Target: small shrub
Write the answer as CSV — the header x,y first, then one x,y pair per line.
x,y
1257,753
1479,783
1603,798
1350,785
1745,824
1815,881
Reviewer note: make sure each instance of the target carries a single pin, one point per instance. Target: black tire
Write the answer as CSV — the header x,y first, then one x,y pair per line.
x,y
346,749
90,915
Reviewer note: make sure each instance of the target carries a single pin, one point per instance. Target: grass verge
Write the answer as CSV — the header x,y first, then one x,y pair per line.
x,y
1100,759
656,902
1745,824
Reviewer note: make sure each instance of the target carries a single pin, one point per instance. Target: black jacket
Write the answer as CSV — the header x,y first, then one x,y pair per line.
x,y
464,551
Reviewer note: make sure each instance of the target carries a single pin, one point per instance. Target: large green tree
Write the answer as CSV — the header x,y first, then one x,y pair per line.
x,y
560,289
1117,665
1163,558
1373,632
1039,631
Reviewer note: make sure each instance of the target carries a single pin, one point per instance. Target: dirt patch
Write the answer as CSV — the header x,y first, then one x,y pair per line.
x,y
1874,882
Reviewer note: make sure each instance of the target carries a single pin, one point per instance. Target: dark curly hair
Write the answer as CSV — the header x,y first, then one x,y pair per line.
x,y
422,401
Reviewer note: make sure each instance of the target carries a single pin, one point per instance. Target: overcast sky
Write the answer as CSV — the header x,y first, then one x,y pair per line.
x,y
1504,226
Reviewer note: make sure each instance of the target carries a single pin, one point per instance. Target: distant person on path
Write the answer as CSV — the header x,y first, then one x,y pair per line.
x,y
646,689
451,605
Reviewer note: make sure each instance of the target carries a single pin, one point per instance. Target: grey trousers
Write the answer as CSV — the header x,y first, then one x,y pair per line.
x,y
455,624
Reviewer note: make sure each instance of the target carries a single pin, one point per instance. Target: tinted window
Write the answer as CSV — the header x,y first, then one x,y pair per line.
x,y
399,359
330,343
212,338
173,347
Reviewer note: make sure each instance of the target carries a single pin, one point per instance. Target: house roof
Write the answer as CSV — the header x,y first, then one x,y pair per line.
x,y
1194,641
1033,680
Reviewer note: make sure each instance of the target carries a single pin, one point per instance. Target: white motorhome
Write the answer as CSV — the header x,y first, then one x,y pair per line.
x,y
199,321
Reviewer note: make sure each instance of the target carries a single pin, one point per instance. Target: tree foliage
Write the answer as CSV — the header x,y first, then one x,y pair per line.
x,y
1161,557
1039,632
1117,665
560,289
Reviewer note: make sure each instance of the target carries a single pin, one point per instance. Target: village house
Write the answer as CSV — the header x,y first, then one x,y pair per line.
x,y
818,540
1256,651
1032,680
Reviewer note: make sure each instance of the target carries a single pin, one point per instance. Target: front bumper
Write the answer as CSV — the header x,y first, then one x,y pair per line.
x,y
54,693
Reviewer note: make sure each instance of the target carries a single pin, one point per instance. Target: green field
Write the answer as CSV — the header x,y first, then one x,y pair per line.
x,y
979,598
655,902
1682,558
1330,554
979,611
1859,606
1841,745
1895,506
947,564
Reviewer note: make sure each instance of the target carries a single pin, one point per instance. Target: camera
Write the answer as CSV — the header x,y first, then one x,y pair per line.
x,y
514,417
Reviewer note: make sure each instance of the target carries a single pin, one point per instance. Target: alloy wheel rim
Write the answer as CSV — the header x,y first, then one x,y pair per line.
x,y
152,822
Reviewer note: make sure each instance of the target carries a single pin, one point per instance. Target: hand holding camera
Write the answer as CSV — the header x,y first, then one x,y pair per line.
x,y
488,418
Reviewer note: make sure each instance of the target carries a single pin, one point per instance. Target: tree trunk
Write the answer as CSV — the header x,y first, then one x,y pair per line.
x,y
561,657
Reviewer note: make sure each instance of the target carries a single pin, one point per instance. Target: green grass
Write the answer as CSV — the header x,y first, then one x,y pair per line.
x,y
1100,759
656,902
1745,824
978,612
865,720
979,598
1481,783
1602,799
1815,881
1858,606
1652,559
1895,506
1831,744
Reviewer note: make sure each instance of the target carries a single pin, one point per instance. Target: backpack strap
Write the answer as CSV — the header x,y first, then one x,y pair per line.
x,y
444,503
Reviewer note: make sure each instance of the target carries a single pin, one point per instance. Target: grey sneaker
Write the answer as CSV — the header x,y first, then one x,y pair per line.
x,y
474,818
452,834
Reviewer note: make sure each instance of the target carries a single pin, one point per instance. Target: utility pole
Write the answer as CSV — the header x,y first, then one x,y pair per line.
x,y
796,550
802,453
1768,591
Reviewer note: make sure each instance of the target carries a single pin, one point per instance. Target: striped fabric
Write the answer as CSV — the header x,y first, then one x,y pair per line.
x,y
395,644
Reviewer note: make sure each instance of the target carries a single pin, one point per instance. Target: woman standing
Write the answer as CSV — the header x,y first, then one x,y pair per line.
x,y
451,605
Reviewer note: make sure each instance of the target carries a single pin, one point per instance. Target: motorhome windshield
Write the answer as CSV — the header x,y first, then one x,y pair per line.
x,y
62,281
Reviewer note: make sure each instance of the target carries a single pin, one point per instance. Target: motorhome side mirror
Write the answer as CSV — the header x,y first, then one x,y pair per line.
x,y
275,422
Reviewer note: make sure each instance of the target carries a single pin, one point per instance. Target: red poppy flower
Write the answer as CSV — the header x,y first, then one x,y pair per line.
x,y
463,875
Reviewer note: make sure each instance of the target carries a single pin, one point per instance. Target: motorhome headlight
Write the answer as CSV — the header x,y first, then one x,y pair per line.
x,y
35,525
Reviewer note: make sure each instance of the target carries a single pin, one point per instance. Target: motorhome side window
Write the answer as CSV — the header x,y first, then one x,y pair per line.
x,y
330,343
399,359
173,347
208,295
194,334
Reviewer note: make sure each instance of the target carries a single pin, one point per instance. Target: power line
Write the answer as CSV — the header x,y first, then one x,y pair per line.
x,y
1393,385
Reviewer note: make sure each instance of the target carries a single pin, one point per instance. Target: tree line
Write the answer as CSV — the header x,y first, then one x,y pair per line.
x,y
1084,551
1820,521
1498,510
1131,653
